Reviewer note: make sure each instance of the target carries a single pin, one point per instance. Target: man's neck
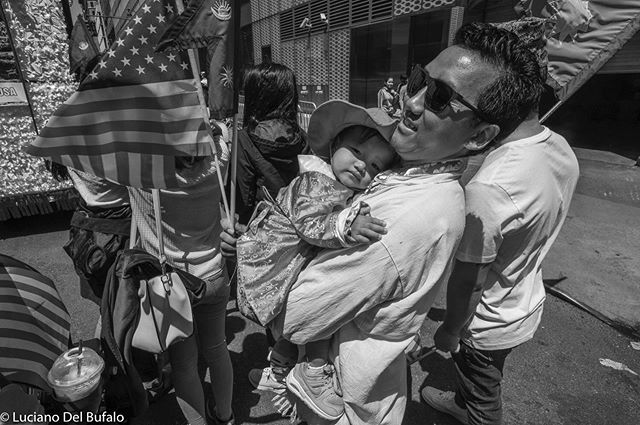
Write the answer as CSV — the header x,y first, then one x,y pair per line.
x,y
423,162
528,128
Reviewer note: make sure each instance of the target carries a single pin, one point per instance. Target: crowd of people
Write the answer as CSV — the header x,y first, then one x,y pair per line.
x,y
344,235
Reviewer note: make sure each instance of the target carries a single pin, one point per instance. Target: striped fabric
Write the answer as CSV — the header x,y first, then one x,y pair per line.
x,y
34,324
134,112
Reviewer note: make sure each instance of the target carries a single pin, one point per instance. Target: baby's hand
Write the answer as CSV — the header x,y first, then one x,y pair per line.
x,y
366,229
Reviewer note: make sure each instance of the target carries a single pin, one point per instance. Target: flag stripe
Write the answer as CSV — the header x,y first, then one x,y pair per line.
x,y
118,170
31,279
123,147
30,282
19,370
135,170
50,312
118,127
75,162
161,89
27,346
146,163
148,102
85,163
40,321
153,115
29,355
20,328
97,165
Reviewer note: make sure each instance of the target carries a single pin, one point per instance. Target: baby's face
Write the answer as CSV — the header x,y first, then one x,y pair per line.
x,y
356,162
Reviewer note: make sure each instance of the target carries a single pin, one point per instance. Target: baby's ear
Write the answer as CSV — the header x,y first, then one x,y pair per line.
x,y
486,134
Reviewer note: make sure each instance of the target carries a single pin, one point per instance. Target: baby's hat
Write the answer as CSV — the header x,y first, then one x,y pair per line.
x,y
335,115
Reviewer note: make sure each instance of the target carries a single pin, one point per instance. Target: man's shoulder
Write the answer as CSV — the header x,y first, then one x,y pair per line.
x,y
417,208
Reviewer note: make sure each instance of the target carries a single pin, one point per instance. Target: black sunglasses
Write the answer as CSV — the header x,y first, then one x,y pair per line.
x,y
438,95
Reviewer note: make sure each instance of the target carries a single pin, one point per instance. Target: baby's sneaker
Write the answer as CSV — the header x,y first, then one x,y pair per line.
x,y
267,380
317,388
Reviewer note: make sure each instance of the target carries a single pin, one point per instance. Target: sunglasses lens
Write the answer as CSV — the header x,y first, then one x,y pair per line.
x,y
439,95
416,82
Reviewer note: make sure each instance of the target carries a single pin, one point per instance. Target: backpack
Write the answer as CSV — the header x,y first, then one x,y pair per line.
x,y
95,238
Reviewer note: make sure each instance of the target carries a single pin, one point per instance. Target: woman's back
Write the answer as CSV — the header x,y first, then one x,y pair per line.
x,y
190,219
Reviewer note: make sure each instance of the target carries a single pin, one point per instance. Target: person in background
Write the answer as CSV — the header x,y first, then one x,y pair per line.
x,y
268,149
191,234
387,97
373,299
402,92
352,147
271,140
99,227
515,206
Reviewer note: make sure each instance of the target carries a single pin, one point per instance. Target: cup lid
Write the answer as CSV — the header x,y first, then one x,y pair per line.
x,y
74,367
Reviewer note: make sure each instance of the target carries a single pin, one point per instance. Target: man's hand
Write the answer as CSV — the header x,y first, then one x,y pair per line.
x,y
445,340
366,229
229,237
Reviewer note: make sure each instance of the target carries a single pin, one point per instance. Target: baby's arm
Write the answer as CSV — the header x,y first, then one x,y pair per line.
x,y
365,229
326,230
322,216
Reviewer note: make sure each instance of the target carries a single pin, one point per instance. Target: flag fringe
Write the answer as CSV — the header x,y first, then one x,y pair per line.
x,y
30,204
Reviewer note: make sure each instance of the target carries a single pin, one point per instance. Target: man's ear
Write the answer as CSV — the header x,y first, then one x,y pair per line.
x,y
485,135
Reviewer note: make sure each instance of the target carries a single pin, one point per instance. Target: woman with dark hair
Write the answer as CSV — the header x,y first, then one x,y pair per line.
x,y
268,149
271,139
387,97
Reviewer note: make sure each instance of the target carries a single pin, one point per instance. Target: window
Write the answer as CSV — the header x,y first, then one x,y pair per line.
x,y
266,54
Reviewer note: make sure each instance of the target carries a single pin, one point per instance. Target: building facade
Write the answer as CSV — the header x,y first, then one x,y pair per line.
x,y
346,49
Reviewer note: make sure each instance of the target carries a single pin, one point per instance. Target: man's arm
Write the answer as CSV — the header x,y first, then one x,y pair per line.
x,y
464,292
337,286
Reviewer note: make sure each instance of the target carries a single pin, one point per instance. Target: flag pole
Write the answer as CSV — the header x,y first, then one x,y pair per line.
x,y
236,115
234,170
551,111
205,114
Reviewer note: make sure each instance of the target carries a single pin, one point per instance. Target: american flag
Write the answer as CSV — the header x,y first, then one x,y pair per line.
x,y
134,112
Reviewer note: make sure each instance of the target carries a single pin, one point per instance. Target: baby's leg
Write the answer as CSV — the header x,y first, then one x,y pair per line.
x,y
317,352
315,383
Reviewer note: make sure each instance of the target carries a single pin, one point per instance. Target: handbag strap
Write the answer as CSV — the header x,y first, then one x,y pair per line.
x,y
158,218
133,234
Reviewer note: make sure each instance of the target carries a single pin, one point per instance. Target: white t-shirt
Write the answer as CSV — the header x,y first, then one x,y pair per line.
x,y
190,218
99,192
515,206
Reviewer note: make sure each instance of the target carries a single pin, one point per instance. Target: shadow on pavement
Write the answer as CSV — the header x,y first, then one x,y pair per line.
x,y
35,225
440,374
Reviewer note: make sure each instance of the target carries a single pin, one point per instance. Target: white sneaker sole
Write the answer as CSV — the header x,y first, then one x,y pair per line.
x,y
296,388
259,387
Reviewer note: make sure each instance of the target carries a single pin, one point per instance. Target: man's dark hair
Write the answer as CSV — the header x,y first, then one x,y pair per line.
x,y
516,93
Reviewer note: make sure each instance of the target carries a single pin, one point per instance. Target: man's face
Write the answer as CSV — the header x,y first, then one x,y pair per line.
x,y
426,136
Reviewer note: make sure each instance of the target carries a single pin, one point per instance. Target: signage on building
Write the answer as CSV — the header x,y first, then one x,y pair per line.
x,y
12,93
314,93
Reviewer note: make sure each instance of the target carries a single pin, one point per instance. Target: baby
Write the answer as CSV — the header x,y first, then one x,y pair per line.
x,y
286,233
